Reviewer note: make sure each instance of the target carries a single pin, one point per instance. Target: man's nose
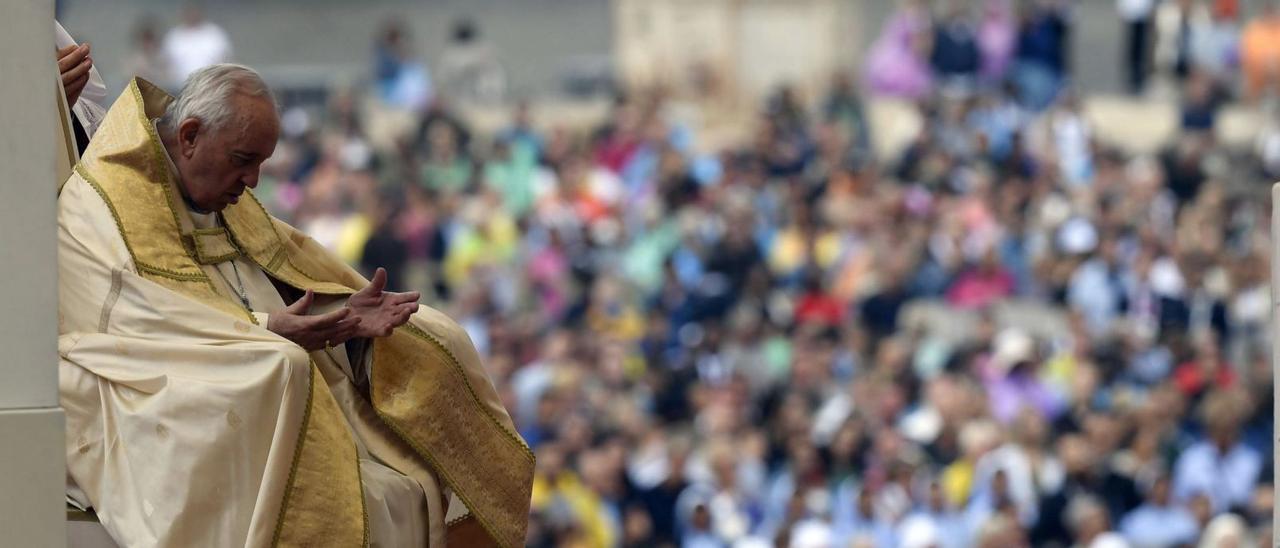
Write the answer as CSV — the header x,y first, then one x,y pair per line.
x,y
251,179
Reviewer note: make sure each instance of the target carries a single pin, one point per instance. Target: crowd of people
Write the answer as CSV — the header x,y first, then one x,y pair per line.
x,y
724,348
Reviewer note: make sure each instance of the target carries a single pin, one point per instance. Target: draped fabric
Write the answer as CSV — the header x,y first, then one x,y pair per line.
x,y
189,423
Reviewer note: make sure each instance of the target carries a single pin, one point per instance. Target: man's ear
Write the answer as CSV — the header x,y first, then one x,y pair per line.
x,y
188,132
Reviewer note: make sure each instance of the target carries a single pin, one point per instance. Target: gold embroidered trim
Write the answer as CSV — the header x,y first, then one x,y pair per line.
x,y
160,156
475,398
157,149
134,166
115,216
141,266
199,240
201,254
443,471
435,465
267,218
297,456
276,259
457,520
364,506
256,254
219,258
180,276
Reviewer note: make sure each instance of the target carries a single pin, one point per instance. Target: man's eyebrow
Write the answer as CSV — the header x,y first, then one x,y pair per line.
x,y
245,153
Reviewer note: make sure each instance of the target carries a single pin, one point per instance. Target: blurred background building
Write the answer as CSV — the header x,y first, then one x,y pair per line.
x,y
806,272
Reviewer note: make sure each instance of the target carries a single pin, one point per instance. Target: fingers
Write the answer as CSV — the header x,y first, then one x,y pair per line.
x,y
73,89
71,56
77,72
77,84
402,317
373,291
327,321
379,281
342,331
64,51
403,298
302,307
336,333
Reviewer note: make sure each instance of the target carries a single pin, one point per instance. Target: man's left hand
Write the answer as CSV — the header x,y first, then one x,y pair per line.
x,y
381,311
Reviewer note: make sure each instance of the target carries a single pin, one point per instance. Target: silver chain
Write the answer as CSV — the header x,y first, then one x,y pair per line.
x,y
242,293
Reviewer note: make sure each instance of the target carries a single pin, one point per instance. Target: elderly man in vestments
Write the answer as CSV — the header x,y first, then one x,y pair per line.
x,y
229,382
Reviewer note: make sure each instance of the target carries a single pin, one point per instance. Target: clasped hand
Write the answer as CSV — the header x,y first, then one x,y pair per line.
x,y
370,312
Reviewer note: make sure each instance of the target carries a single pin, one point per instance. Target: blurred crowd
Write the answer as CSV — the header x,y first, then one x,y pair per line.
x,y
801,341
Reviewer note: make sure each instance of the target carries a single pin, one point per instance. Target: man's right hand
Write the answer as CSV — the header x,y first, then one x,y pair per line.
x,y
295,323
74,64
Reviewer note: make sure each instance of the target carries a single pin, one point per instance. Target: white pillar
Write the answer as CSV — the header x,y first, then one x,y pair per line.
x,y
1275,351
32,459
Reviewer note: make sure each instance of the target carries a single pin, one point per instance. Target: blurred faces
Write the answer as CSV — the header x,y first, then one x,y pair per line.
x,y
1160,492
1075,453
1202,508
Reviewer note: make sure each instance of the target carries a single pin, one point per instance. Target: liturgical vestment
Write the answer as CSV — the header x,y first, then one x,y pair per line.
x,y
190,424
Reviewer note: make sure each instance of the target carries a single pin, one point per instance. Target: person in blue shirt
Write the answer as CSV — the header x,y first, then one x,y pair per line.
x,y
949,524
1159,522
1220,465
855,517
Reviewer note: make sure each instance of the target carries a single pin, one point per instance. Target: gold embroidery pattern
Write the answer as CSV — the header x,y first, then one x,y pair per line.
x,y
246,222
200,241
297,454
481,459
516,440
157,274
323,480
320,505
487,466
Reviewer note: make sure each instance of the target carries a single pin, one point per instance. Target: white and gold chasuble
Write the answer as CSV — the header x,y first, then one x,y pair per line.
x,y
190,424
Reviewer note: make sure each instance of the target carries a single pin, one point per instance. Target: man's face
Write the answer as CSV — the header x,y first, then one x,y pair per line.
x,y
216,165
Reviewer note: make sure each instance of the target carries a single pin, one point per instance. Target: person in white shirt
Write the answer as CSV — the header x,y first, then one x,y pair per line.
x,y
1136,15
194,44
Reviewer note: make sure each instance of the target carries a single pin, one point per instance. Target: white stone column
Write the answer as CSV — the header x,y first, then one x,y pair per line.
x,y
32,459
1275,351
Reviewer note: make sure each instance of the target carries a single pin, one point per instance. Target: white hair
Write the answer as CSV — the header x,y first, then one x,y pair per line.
x,y
207,93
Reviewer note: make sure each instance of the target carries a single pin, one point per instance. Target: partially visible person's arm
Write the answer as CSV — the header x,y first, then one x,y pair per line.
x,y
74,64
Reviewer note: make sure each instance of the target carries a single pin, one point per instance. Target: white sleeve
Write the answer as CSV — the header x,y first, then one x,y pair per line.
x,y
90,108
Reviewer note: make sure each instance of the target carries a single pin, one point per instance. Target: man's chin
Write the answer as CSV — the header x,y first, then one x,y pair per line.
x,y
214,207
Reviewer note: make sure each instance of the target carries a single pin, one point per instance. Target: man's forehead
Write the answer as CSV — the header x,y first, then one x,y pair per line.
x,y
265,112
255,116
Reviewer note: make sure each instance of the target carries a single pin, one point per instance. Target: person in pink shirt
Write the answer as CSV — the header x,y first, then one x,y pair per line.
x,y
982,284
997,36
898,64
